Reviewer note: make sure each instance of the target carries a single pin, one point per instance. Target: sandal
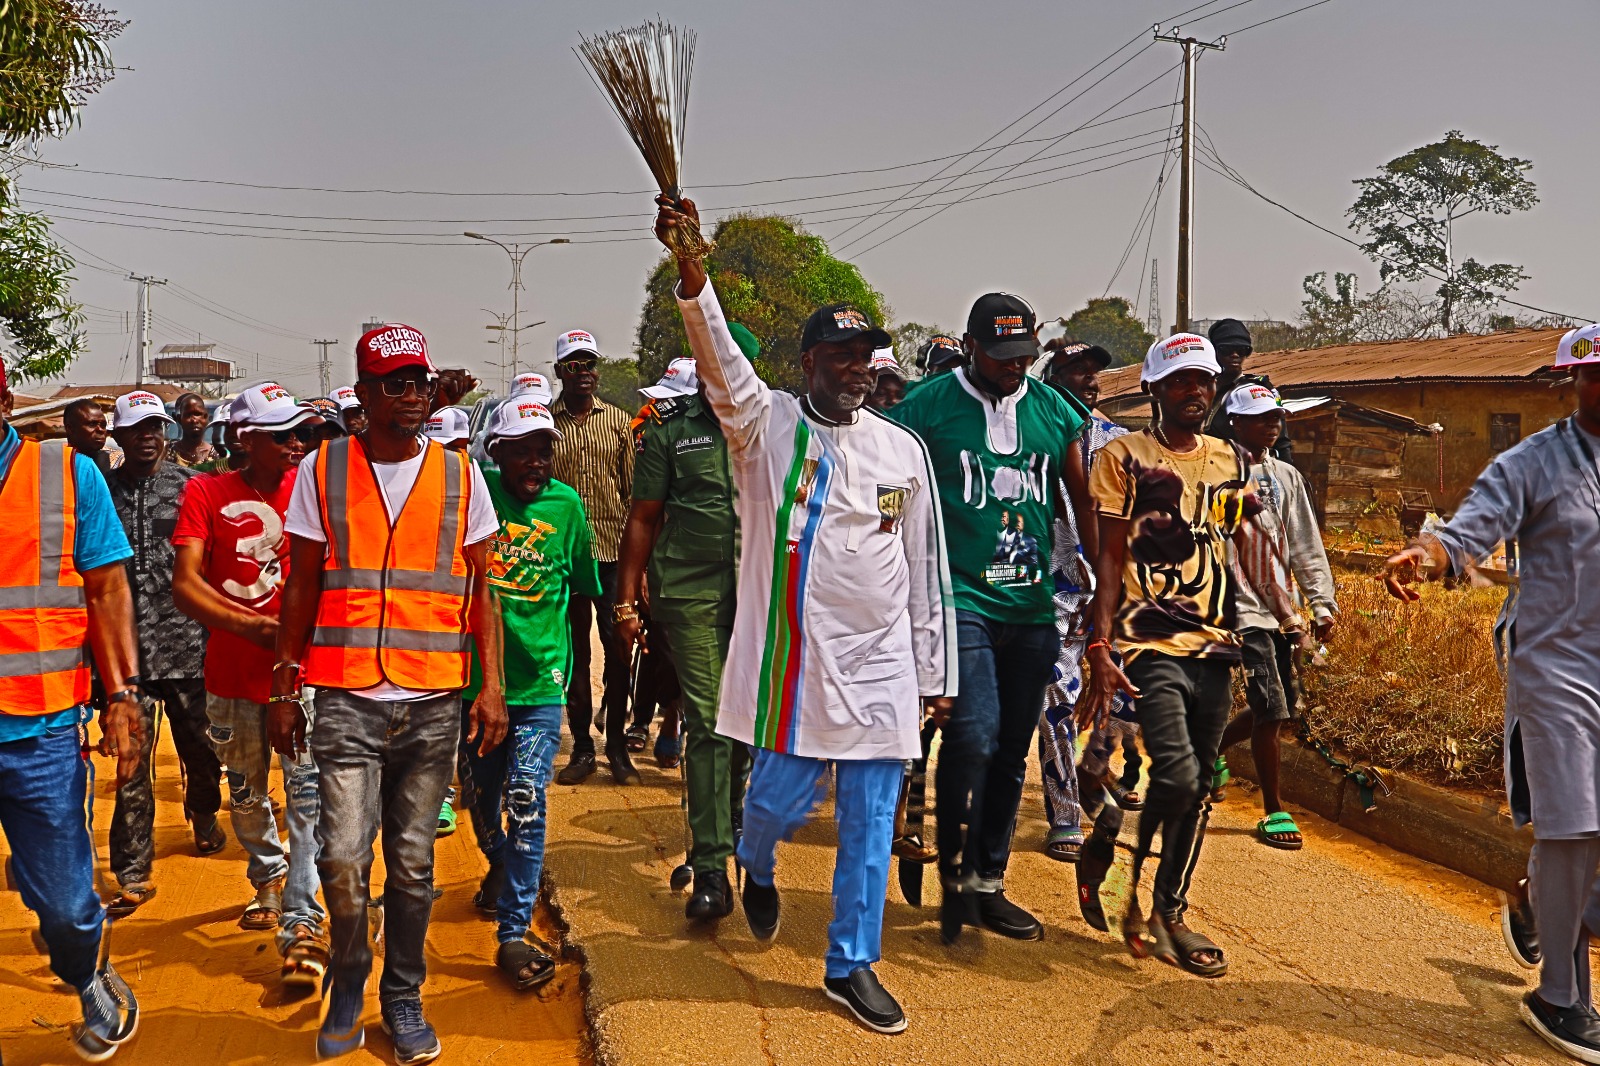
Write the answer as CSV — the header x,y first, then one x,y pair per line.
x,y
1126,798
305,960
264,911
637,737
1132,922
1219,779
669,750
447,820
210,839
1064,844
1275,827
526,965
133,896
1179,948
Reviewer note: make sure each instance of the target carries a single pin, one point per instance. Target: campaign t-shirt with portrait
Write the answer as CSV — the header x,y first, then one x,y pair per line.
x,y
1178,591
247,560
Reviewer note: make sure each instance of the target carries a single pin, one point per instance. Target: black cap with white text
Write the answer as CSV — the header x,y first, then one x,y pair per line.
x,y
1003,325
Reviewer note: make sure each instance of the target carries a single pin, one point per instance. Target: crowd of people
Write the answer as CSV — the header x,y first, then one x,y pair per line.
x,y
793,590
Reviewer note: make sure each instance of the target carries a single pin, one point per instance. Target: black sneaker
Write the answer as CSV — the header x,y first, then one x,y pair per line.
x,y
577,770
1518,927
1000,915
711,898
761,909
490,889
868,1001
1574,1031
413,1038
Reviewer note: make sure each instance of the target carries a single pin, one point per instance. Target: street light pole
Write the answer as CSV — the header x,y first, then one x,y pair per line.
x,y
517,252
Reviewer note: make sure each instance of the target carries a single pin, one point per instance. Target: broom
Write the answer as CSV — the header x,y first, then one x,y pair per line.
x,y
643,71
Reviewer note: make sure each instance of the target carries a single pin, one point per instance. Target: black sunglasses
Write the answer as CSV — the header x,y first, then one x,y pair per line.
x,y
303,434
578,366
395,389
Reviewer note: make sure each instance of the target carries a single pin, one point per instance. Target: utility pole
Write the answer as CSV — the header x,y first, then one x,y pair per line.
x,y
1152,321
1191,51
517,252
324,367
145,281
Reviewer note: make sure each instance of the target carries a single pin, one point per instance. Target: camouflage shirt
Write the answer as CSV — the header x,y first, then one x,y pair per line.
x,y
171,644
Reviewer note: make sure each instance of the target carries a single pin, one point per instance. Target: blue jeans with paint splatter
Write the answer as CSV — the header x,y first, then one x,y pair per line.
x,y
504,792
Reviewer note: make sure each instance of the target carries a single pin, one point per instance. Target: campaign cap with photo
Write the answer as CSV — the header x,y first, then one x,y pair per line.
x,y
940,350
1181,351
390,348
1579,347
884,362
535,385
1003,325
520,417
269,406
1071,353
329,411
575,344
1253,400
837,323
680,379
345,396
448,424
138,406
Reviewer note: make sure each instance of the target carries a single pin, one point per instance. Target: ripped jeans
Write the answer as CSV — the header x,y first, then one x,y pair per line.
x,y
512,778
239,731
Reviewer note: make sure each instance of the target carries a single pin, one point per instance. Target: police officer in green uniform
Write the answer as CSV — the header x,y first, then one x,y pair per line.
x,y
682,525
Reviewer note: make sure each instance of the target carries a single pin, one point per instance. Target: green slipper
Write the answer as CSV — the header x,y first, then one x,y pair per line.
x,y
447,820
1278,822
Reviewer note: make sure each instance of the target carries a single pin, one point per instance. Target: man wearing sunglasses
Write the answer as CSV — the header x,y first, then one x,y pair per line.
x,y
231,558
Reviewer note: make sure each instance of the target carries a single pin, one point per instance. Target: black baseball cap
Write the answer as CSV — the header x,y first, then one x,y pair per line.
x,y
1003,325
841,322
1229,333
938,351
1070,353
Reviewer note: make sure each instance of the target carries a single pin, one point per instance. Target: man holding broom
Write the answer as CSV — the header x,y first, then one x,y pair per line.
x,y
844,607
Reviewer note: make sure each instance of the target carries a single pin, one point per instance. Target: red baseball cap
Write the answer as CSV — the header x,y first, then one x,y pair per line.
x,y
389,348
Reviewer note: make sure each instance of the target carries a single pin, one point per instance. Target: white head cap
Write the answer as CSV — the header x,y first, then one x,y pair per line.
x,y
138,406
345,396
269,406
520,417
1181,351
883,360
448,424
534,385
1253,400
680,379
1579,347
574,341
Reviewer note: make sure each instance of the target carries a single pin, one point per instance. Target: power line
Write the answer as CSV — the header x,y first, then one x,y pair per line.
x,y
1275,18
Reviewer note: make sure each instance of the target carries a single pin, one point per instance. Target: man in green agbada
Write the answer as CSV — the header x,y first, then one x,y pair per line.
x,y
682,524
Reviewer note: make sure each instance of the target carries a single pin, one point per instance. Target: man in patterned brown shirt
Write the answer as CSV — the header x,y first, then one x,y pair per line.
x,y
594,455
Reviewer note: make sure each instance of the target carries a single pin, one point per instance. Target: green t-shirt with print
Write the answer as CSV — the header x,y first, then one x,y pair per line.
x,y
539,556
998,496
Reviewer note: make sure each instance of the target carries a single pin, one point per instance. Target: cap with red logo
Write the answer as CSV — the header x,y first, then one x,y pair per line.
x,y
521,416
345,396
138,406
448,424
574,343
1579,347
1253,400
1181,351
1004,326
535,385
391,348
680,379
883,361
269,406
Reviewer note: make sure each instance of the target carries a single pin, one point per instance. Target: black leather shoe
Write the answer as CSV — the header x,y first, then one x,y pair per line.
x,y
577,770
1518,927
711,898
761,909
623,772
1574,1031
1000,915
869,1001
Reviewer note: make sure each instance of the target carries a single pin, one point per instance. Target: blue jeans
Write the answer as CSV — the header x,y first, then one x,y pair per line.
x,y
45,803
381,763
1004,671
239,732
783,791
512,778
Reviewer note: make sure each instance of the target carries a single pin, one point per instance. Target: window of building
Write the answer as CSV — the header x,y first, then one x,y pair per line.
x,y
1504,431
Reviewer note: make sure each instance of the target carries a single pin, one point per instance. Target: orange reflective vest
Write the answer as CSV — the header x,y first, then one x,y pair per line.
x,y
44,617
394,598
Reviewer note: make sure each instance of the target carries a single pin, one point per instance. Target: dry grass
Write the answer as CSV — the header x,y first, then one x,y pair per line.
x,y
1413,686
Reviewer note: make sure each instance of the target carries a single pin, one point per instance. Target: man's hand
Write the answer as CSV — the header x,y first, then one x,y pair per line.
x,y
453,384
1420,560
939,708
286,728
630,631
262,631
122,736
1322,629
670,215
1106,679
487,722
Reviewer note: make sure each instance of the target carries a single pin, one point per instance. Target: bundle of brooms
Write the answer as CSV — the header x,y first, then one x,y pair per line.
x,y
644,73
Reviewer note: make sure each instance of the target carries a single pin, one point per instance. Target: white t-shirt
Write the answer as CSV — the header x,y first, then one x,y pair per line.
x,y
304,519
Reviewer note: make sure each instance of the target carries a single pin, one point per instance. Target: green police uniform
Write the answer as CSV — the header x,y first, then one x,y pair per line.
x,y
683,462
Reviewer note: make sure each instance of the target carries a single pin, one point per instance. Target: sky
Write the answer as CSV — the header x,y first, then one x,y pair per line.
x,y
488,97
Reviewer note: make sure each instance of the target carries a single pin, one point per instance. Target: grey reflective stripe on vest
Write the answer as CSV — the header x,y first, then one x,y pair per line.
x,y
28,598
450,527
336,502
393,639
52,510
403,580
35,663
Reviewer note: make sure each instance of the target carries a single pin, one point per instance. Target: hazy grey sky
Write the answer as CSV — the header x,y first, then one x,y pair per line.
x,y
487,96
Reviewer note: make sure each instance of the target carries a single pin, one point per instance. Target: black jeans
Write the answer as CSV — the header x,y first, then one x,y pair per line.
x,y
580,701
1182,709
133,823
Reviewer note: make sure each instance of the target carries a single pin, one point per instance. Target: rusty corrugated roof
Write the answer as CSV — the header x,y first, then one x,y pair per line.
x,y
1511,355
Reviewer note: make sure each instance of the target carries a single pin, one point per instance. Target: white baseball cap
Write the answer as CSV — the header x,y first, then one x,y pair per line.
x,y
1253,400
345,396
1181,351
1579,347
138,406
680,379
269,406
574,341
448,424
883,360
535,385
520,417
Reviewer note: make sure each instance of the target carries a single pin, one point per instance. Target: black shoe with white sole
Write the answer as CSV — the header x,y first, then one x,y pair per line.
x,y
1574,1031
761,909
868,1000
1518,927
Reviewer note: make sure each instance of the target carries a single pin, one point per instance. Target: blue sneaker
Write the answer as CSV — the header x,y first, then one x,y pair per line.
x,y
110,1017
342,1031
414,1039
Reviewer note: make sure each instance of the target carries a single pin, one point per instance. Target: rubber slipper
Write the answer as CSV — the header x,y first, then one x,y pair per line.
x,y
1064,845
669,750
1126,798
637,738
132,897
447,820
1276,823
527,966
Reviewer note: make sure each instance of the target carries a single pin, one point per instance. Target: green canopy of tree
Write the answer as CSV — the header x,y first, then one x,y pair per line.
x,y
1110,322
770,275
1409,214
619,384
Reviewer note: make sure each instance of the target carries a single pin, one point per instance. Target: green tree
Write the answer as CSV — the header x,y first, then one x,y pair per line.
x,y
619,384
42,324
1410,210
1110,322
1340,314
909,337
770,275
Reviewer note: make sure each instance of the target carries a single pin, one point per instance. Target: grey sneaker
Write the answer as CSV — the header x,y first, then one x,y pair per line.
x,y
414,1039
110,1017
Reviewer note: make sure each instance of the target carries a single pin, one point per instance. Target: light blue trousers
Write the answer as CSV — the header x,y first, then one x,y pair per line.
x,y
783,791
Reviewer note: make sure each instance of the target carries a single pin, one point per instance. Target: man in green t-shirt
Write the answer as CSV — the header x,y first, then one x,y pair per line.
x,y
999,446
539,557
682,523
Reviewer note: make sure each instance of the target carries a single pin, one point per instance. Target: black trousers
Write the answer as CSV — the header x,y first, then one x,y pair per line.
x,y
133,822
580,701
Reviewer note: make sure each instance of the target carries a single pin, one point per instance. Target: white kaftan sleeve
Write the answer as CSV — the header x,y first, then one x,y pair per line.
x,y
741,400
1495,508
932,605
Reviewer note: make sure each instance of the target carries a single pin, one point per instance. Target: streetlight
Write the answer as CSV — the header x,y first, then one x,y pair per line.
x,y
517,252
